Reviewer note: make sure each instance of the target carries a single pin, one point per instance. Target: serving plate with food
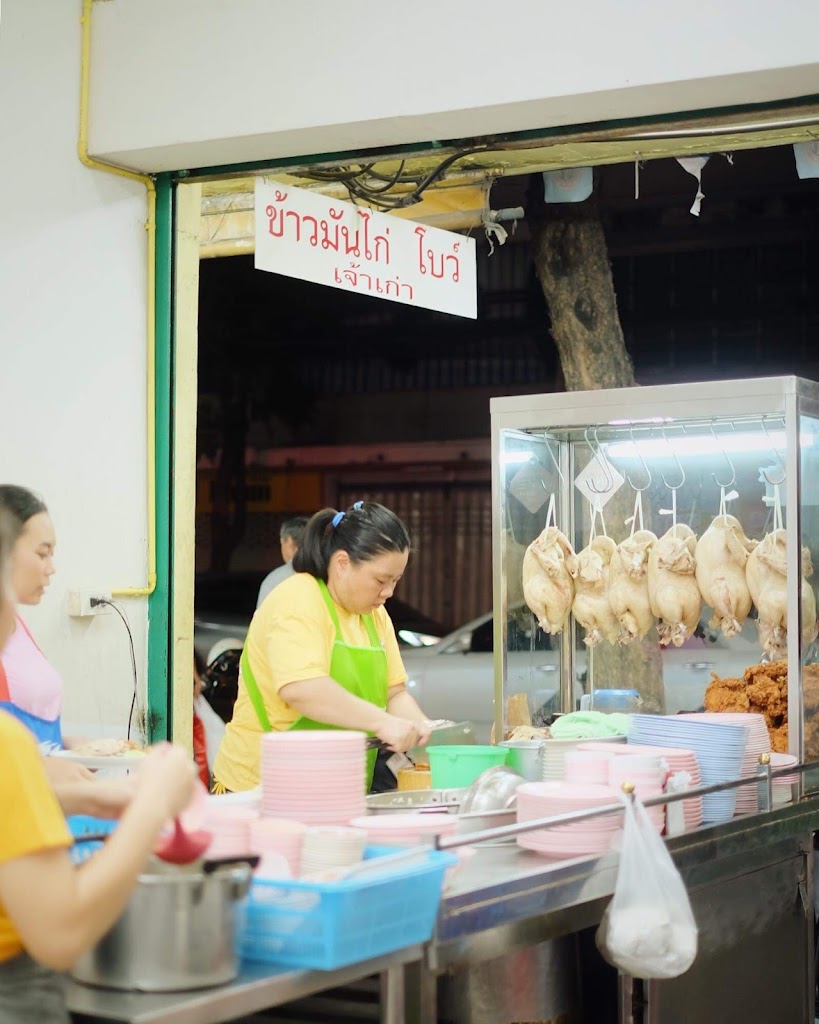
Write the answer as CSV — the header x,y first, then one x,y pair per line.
x,y
103,753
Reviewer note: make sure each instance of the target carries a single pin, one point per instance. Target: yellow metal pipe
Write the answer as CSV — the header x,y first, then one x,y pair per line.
x,y
150,227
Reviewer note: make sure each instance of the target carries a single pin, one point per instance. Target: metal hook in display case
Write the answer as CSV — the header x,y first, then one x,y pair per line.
x,y
601,460
554,460
777,456
733,480
646,470
673,487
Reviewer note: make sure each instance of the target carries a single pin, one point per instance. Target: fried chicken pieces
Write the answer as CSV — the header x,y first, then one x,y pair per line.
x,y
763,689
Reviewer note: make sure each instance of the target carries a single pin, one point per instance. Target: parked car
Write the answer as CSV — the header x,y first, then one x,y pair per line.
x,y
224,604
454,679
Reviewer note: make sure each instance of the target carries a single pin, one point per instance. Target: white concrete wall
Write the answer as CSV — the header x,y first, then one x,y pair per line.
x,y
72,338
187,83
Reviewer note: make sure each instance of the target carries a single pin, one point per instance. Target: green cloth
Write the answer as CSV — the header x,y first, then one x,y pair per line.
x,y
589,725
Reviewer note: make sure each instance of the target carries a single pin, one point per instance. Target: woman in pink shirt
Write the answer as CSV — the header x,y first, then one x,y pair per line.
x,y
31,689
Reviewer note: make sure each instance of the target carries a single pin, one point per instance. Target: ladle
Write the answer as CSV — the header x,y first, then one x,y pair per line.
x,y
181,847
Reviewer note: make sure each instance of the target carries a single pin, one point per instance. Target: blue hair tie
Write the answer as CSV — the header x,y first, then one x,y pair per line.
x,y
337,518
358,505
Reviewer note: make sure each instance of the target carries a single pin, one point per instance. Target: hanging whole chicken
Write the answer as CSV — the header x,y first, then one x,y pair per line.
x,y
672,587
591,606
628,585
548,588
766,573
721,554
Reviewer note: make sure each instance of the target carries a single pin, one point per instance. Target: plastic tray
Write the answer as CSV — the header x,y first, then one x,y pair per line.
x,y
325,925
80,825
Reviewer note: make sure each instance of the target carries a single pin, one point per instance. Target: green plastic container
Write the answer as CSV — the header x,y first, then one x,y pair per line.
x,y
453,767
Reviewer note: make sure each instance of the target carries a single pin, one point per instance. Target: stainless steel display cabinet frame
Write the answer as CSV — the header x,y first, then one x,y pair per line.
x,y
784,398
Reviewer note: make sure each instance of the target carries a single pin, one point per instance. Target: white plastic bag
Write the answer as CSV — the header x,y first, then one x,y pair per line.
x,y
648,929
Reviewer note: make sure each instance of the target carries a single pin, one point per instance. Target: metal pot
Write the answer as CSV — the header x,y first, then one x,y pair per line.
x,y
526,757
179,931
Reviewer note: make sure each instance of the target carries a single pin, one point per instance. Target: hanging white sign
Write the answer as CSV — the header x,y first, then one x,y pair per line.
x,y
314,238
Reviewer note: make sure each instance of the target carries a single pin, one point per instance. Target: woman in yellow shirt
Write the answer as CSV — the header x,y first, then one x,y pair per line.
x,y
321,650
50,911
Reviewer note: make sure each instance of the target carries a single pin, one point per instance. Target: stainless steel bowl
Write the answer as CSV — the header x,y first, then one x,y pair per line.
x,y
493,790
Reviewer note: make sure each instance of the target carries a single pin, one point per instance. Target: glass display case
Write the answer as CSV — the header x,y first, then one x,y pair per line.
x,y
652,547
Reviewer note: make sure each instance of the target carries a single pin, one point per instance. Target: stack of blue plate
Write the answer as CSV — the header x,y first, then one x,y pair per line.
x,y
719,748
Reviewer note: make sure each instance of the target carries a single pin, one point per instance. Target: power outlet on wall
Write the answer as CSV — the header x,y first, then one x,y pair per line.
x,y
79,602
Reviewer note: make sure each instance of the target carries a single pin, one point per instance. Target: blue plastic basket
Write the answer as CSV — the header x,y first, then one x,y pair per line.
x,y
324,925
80,825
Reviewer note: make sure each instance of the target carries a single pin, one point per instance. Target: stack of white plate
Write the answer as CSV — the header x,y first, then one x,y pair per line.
x,y
327,847
720,750
759,742
577,839
554,756
783,784
315,776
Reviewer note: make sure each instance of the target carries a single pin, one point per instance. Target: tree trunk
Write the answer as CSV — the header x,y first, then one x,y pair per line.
x,y
572,265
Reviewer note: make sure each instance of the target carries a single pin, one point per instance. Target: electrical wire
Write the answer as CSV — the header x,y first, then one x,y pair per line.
x,y
359,183
118,610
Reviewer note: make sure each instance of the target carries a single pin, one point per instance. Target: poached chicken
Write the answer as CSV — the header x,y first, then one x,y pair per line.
x,y
548,588
628,585
721,555
591,606
672,586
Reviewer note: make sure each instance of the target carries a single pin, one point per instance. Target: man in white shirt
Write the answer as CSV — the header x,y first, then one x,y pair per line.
x,y
290,538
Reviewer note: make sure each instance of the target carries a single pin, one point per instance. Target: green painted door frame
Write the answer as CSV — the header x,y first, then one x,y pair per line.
x,y
159,603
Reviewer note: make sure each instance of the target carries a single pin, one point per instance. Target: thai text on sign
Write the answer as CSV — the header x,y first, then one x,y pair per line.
x,y
309,236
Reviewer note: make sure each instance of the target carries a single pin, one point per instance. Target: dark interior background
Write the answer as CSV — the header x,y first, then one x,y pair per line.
x,y
284,364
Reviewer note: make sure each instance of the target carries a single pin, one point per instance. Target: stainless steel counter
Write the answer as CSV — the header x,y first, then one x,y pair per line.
x,y
258,987
505,899
751,888
505,887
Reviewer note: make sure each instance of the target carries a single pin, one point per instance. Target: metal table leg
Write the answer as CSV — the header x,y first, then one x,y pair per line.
x,y
420,994
393,996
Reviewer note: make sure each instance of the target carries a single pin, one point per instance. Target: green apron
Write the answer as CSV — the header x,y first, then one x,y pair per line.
x,y
362,671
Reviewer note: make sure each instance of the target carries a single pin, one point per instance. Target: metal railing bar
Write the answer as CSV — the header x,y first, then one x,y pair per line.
x,y
765,775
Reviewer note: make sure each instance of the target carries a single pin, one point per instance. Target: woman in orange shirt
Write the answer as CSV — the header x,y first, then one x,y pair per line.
x,y
50,910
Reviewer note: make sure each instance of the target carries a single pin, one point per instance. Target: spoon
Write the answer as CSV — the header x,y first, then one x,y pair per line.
x,y
182,847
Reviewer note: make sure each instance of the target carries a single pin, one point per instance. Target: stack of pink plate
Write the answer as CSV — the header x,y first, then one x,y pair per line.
x,y
278,836
230,826
647,772
678,760
759,742
584,767
780,761
578,839
406,829
314,776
